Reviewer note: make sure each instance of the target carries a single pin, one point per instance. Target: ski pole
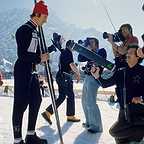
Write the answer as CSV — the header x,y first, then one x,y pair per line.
x,y
126,111
50,81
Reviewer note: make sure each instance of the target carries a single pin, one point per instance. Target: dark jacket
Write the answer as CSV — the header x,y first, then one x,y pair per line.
x,y
28,52
66,58
134,82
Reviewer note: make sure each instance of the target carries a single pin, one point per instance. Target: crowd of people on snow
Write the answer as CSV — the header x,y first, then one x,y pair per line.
x,y
128,76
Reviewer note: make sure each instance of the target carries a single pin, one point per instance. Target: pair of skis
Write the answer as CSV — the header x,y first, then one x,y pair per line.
x,y
100,61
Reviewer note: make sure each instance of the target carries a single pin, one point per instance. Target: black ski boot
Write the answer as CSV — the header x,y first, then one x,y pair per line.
x,y
34,139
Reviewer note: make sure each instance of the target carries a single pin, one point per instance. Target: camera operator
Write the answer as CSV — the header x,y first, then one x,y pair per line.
x,y
65,85
120,51
91,110
132,79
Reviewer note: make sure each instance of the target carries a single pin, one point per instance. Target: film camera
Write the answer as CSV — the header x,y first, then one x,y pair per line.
x,y
88,66
56,37
117,37
56,43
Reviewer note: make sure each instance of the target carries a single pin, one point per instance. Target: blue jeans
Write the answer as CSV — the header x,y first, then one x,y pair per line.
x,y
90,108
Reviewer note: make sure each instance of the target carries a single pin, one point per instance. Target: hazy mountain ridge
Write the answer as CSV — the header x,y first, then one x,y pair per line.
x,y
12,19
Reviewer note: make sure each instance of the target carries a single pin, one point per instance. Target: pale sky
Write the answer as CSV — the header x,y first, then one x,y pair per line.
x,y
91,13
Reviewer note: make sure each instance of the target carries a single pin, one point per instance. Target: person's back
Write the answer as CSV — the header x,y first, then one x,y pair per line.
x,y
66,58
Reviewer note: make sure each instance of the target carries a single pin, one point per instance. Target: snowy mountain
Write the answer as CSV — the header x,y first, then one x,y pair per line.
x,y
12,19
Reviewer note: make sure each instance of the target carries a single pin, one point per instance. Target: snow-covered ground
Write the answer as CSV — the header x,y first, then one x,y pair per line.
x,y
104,93
73,133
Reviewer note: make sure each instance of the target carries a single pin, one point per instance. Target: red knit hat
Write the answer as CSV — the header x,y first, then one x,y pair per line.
x,y
40,8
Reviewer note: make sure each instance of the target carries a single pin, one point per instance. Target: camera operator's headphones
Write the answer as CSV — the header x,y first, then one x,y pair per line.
x,y
127,26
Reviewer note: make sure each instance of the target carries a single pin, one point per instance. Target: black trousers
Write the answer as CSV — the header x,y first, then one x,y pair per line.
x,y
125,132
65,88
26,93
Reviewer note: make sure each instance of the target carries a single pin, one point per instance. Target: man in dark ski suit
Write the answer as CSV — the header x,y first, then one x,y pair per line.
x,y
26,83
132,128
